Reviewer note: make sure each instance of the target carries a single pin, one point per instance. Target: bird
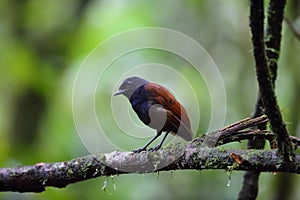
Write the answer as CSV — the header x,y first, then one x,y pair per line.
x,y
157,108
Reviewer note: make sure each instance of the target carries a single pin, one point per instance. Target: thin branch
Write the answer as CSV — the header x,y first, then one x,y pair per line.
x,y
243,130
263,76
216,137
256,133
273,38
243,124
250,185
258,111
292,27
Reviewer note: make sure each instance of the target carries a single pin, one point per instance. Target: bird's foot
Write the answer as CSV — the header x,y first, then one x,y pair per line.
x,y
145,149
139,150
155,148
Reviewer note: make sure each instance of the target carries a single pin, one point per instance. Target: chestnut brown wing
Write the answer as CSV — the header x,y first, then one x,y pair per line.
x,y
177,119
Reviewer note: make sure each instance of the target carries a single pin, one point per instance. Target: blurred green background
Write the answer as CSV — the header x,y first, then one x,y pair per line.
x,y
43,44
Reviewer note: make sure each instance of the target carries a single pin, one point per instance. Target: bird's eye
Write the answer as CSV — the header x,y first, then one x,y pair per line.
x,y
128,83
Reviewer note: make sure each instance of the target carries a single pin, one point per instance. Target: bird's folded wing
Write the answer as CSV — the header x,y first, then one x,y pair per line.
x,y
176,114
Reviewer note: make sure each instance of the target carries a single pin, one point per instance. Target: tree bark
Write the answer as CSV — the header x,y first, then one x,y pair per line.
x,y
37,177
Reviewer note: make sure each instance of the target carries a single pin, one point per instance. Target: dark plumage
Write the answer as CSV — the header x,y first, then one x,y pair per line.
x,y
157,108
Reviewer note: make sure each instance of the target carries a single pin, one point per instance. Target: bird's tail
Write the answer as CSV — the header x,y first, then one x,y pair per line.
x,y
185,133
184,129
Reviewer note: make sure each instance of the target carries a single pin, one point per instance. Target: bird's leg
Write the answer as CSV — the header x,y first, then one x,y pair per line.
x,y
145,147
162,141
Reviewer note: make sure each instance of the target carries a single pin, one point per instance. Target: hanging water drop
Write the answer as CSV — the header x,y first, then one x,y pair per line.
x,y
229,178
229,183
105,184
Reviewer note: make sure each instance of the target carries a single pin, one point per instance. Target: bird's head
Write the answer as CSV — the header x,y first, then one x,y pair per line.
x,y
129,85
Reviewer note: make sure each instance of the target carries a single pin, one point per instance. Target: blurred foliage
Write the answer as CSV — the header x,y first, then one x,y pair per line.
x,y
43,44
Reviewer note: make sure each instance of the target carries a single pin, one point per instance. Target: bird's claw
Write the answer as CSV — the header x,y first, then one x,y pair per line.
x,y
155,148
138,150
144,149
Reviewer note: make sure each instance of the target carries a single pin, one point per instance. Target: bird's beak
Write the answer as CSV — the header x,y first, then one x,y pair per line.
x,y
119,92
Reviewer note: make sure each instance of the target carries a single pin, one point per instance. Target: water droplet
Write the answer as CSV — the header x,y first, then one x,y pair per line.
x,y
229,183
172,174
229,178
105,184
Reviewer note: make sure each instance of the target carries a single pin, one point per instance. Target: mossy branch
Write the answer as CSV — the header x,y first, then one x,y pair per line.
x,y
272,43
199,154
37,177
264,73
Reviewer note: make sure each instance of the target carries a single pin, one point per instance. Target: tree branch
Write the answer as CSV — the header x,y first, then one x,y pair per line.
x,y
194,155
250,185
35,178
263,74
273,38
219,137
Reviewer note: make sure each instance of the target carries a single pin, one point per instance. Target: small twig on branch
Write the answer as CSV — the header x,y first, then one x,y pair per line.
x,y
292,27
243,124
264,79
217,137
236,132
256,133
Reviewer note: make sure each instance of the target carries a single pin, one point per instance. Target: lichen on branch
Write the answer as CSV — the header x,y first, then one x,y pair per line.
x,y
198,154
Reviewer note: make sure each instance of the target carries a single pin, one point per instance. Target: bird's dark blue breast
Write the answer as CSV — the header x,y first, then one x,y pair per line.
x,y
141,103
